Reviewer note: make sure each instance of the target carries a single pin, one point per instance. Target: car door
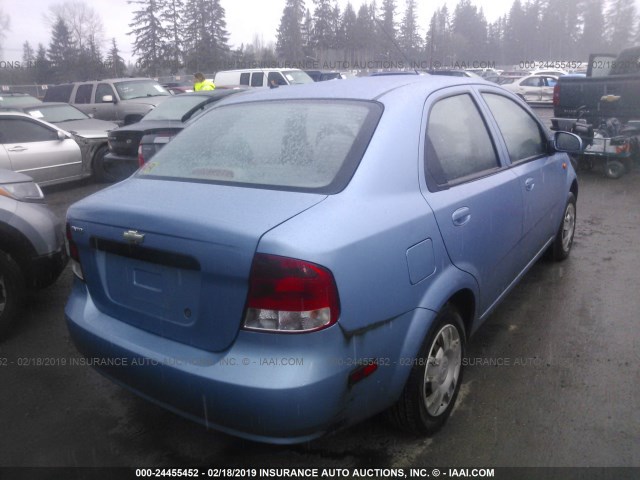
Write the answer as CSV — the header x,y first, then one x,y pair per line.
x,y
546,91
34,148
101,109
542,175
475,198
82,97
531,89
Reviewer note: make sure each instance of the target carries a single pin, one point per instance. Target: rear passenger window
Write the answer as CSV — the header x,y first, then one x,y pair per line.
x,y
244,78
457,143
520,131
257,79
58,93
83,93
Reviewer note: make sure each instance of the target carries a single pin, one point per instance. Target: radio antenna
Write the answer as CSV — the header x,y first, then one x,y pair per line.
x,y
395,44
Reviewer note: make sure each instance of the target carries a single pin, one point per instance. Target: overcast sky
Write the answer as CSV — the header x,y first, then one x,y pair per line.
x,y
245,18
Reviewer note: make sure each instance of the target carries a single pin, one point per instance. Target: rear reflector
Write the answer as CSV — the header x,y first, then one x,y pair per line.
x,y
362,372
290,295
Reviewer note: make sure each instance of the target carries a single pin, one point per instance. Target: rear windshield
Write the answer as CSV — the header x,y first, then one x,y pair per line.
x,y
304,145
175,107
140,89
57,113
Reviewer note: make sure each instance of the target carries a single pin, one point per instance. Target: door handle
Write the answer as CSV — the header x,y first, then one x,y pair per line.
x,y
461,216
529,183
17,149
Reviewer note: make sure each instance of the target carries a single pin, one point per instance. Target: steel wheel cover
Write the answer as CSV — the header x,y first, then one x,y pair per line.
x,y
442,370
568,226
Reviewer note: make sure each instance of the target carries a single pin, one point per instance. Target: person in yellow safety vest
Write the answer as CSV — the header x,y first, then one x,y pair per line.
x,y
202,83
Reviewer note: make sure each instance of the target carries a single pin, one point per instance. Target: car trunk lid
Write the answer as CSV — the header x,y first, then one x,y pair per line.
x,y
179,272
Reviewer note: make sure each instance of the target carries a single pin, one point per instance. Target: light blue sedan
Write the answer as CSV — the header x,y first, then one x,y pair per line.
x,y
303,258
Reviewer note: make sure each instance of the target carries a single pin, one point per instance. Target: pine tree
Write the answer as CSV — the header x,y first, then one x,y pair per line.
x,y
205,35
90,65
620,20
43,67
514,40
469,29
81,19
388,31
62,52
593,28
28,54
114,62
289,40
307,34
348,35
171,16
364,34
409,39
150,36
439,38
322,36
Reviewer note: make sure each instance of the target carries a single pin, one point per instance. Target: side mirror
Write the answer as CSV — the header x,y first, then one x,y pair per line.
x,y
567,142
62,135
107,99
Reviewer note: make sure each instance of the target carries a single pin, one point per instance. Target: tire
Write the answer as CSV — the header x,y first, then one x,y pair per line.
x,y
425,406
12,292
104,172
566,231
614,169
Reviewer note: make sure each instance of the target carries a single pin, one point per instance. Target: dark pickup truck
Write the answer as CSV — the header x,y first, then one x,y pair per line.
x,y
611,88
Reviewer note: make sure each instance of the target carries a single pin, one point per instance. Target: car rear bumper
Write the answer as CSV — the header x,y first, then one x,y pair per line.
x,y
274,388
46,269
112,157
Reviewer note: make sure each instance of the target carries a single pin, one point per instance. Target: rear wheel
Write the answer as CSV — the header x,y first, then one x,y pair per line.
x,y
434,382
564,237
12,291
103,171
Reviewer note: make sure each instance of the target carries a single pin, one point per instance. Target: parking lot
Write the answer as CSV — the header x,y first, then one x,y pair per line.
x,y
551,379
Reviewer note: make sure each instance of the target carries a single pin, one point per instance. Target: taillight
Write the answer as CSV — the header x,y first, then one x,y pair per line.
x,y
140,156
72,250
556,95
290,295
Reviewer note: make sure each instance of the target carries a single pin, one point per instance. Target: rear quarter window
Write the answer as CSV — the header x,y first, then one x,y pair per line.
x,y
303,145
58,93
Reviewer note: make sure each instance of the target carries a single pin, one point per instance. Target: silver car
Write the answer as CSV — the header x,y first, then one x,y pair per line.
x,y
533,88
39,149
32,253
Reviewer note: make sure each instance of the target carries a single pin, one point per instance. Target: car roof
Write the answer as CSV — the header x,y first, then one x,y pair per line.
x,y
45,105
112,80
363,88
15,113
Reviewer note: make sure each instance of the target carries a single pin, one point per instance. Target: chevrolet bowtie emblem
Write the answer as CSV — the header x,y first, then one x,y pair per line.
x,y
133,237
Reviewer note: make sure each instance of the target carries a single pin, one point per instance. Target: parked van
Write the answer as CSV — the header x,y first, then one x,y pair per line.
x,y
261,77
